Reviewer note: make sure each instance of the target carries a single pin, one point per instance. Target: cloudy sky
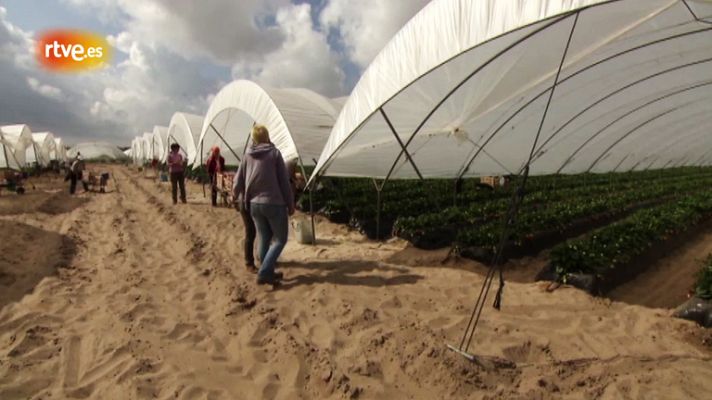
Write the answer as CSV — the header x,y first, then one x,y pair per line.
x,y
174,55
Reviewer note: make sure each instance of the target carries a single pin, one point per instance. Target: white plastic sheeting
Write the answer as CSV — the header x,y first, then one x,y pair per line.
x,y
150,146
7,154
136,149
60,152
184,129
20,137
96,150
299,121
140,155
44,145
160,149
465,84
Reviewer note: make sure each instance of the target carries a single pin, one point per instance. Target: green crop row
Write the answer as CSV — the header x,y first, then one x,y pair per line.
x,y
417,207
558,216
456,218
703,287
618,244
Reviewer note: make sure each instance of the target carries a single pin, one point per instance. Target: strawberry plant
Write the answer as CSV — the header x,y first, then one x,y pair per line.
x,y
703,288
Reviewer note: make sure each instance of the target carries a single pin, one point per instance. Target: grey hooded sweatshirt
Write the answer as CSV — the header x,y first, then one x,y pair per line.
x,y
262,178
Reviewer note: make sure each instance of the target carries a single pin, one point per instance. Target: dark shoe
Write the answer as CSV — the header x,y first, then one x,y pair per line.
x,y
251,268
271,280
279,275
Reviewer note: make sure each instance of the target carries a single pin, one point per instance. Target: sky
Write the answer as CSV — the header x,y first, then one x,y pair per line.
x,y
175,55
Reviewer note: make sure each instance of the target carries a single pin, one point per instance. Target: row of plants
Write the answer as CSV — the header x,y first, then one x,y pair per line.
x,y
436,228
355,192
703,287
606,253
354,201
561,216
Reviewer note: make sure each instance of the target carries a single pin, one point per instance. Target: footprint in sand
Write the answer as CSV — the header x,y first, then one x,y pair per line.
x,y
185,332
321,335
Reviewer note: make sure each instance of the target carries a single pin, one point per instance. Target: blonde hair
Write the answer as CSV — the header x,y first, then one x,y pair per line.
x,y
260,134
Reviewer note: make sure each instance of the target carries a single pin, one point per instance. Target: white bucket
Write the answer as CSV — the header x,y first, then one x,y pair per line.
x,y
303,229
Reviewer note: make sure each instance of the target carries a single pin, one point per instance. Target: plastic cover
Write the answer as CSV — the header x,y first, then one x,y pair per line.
x,y
299,121
95,150
184,129
60,152
160,143
465,84
43,145
20,139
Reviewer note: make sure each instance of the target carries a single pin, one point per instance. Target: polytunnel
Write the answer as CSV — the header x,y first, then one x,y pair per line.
x,y
20,137
44,145
135,150
140,154
184,129
299,121
7,154
96,150
473,88
147,144
60,152
151,145
159,143
482,87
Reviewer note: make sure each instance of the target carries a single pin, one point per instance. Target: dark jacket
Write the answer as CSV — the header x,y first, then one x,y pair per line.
x,y
213,164
262,177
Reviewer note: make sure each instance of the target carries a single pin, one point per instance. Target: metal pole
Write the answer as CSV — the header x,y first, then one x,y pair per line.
x,y
311,212
201,165
508,221
400,143
226,144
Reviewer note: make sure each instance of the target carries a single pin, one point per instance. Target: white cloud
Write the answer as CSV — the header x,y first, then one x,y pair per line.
x,y
303,60
15,44
220,30
43,89
175,54
366,26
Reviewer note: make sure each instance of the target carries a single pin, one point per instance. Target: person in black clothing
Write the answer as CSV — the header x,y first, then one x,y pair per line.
x,y
216,164
250,230
76,172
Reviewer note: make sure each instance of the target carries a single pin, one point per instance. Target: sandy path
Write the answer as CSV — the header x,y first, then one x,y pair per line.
x,y
155,304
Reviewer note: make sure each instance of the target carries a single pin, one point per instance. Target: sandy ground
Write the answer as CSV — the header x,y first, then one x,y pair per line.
x,y
130,297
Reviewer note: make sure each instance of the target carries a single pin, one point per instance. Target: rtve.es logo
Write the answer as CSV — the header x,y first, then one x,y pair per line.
x,y
70,50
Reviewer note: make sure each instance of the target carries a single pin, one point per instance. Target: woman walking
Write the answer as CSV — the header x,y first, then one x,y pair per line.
x,y
263,185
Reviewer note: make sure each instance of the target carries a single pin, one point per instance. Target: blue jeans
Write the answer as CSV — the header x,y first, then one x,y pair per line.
x,y
272,225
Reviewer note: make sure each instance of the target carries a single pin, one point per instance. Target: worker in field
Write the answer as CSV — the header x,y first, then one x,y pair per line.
x,y
176,168
296,178
248,223
262,184
297,183
76,173
216,165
